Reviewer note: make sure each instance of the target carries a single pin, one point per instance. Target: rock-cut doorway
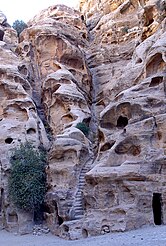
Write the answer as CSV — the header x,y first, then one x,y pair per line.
x,y
157,208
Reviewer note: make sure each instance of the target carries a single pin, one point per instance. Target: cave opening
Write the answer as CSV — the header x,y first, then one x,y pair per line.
x,y
122,121
39,215
1,200
156,81
60,220
8,140
31,131
1,35
157,208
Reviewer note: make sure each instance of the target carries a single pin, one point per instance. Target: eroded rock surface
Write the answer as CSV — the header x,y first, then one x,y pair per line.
x,y
127,61
19,120
105,68
52,49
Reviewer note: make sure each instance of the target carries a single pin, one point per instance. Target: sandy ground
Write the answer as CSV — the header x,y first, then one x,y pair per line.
x,y
151,236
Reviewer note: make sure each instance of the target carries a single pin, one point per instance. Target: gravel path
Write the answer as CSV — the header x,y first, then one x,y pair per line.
x,y
151,236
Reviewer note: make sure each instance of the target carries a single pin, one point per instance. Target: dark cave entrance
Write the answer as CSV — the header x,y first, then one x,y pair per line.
x,y
39,215
122,122
1,35
1,197
60,220
157,208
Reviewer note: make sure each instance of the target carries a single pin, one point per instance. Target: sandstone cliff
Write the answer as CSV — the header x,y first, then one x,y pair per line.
x,y
105,67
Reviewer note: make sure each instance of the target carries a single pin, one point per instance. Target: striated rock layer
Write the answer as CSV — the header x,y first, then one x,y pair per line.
x,y
104,68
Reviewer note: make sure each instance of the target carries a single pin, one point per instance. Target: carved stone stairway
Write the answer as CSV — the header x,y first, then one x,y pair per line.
x,y
78,205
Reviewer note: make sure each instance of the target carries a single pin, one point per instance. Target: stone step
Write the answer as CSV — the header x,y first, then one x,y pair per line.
x,y
80,187
78,207
78,213
78,217
79,193
82,181
85,169
78,196
83,172
77,200
82,177
78,203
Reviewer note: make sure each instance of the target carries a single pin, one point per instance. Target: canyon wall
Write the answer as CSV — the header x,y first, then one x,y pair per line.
x,y
127,59
103,67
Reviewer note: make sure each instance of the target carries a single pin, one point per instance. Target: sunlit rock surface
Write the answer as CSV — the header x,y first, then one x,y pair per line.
x,y
52,48
19,120
127,59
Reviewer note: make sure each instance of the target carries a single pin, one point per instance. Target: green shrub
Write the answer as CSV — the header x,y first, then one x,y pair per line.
x,y
27,179
19,26
83,127
125,30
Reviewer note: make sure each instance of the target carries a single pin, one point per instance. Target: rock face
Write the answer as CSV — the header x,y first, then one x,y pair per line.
x,y
53,48
126,188
19,120
103,68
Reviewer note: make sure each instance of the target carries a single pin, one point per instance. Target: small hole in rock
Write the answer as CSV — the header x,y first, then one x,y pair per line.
x,y
84,233
8,140
156,81
139,61
66,228
31,131
26,48
122,121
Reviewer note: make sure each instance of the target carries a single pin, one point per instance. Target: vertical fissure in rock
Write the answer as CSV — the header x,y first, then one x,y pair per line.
x,y
37,92
1,208
94,122
77,209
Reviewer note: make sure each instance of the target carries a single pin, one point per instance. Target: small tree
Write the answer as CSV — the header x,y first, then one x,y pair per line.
x,y
83,127
19,26
27,179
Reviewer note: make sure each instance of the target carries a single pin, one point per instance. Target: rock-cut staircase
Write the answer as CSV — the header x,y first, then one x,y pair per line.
x,y
78,205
